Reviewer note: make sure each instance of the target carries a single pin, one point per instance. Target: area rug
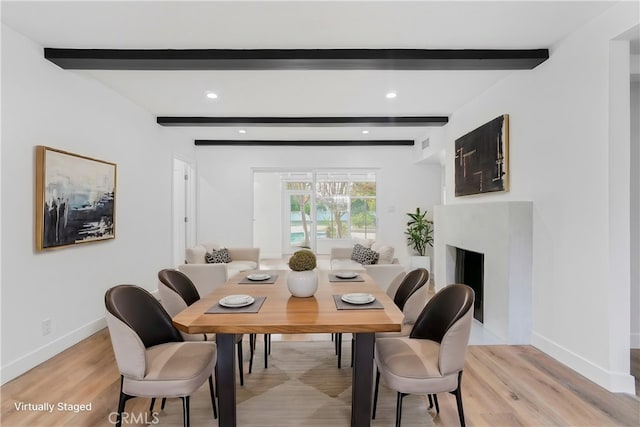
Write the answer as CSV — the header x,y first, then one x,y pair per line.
x,y
301,387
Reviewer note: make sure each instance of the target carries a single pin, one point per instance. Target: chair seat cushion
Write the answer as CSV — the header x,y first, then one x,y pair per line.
x,y
174,369
411,366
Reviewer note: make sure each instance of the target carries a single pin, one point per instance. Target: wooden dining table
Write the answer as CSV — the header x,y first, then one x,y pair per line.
x,y
282,313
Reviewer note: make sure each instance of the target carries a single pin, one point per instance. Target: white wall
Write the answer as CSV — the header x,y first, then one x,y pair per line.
x,y
559,150
267,214
225,186
45,105
635,214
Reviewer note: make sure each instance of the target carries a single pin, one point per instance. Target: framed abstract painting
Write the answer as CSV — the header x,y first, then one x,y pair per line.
x,y
482,159
75,199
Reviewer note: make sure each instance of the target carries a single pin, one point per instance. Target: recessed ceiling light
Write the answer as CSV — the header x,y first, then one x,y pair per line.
x,y
212,95
242,131
365,131
391,95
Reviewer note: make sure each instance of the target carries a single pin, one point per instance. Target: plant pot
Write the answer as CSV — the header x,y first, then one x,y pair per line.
x,y
302,284
420,262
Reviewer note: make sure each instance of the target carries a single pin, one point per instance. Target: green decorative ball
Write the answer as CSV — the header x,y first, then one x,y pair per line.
x,y
302,260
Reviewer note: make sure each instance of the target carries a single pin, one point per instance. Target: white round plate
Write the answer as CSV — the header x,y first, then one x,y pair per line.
x,y
358,298
258,276
236,301
346,274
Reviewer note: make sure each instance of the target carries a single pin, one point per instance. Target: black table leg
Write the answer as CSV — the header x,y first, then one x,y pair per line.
x,y
226,379
362,382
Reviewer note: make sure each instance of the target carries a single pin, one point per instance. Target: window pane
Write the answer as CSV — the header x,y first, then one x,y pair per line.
x,y
363,218
298,185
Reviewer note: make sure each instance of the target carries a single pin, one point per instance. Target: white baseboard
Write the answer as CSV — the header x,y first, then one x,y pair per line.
x,y
615,382
635,340
30,360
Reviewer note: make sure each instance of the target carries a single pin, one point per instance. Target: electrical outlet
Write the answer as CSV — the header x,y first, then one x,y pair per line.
x,y
46,327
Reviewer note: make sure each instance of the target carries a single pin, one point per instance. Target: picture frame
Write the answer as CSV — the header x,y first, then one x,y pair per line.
x,y
75,199
482,159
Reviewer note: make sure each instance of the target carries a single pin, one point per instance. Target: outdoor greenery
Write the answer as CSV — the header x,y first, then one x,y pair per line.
x,y
419,231
342,207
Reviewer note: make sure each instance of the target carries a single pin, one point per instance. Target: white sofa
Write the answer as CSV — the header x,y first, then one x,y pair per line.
x,y
207,276
383,272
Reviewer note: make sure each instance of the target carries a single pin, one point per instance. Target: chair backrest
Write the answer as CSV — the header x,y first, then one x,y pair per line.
x,y
141,312
414,305
178,282
442,311
395,284
447,319
413,281
205,277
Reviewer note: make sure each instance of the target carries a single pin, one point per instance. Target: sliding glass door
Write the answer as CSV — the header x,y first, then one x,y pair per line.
x,y
319,209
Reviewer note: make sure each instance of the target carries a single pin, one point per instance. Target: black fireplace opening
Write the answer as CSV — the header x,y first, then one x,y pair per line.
x,y
470,271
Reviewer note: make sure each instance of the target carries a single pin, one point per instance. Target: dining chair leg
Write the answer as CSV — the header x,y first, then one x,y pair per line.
x,y
121,403
215,372
430,402
399,408
435,401
240,365
375,394
213,399
458,393
153,402
353,344
267,339
185,410
252,349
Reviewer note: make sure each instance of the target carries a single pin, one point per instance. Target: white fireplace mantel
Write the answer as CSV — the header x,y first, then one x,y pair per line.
x,y
502,231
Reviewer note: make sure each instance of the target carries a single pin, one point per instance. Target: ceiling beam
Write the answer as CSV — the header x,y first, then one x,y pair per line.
x,y
297,59
303,143
374,121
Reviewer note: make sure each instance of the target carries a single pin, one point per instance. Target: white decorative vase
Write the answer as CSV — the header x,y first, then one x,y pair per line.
x,y
302,283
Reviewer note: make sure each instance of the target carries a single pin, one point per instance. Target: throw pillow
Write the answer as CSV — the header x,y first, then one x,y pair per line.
x,y
364,256
385,251
215,257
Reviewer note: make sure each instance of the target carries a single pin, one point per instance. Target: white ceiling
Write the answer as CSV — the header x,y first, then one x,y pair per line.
x,y
301,25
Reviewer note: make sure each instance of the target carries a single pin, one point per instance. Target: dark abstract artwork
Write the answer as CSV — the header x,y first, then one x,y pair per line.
x,y
75,199
481,159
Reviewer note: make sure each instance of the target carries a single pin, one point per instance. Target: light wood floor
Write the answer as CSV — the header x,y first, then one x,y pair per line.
x,y
502,386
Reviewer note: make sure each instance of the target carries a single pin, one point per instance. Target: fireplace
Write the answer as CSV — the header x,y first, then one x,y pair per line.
x,y
470,271
497,238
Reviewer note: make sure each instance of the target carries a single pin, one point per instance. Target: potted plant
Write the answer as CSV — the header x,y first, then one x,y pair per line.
x,y
302,281
419,237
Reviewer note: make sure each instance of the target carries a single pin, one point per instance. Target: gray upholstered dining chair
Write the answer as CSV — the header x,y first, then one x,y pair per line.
x,y
430,360
401,289
177,292
414,302
152,356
